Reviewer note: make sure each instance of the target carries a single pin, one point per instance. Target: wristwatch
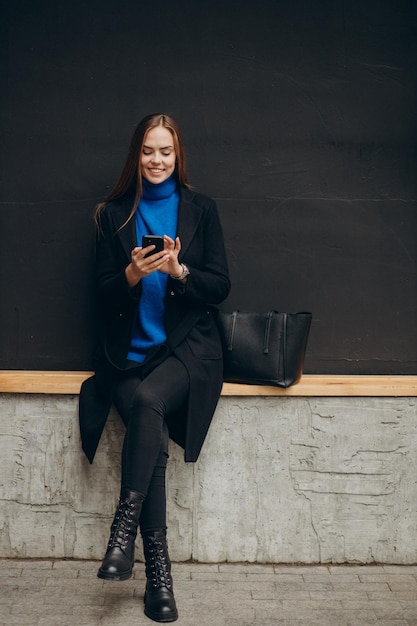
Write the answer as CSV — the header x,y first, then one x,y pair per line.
x,y
185,273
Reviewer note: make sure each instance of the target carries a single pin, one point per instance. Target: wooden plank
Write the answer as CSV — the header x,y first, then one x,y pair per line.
x,y
69,383
333,385
59,382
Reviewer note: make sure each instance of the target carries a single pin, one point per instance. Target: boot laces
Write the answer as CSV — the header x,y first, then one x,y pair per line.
x,y
123,525
158,570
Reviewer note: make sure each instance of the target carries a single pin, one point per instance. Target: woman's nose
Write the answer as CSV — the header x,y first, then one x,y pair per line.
x,y
156,158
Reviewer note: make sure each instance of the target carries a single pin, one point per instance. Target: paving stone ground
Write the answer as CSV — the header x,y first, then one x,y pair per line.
x,y
68,593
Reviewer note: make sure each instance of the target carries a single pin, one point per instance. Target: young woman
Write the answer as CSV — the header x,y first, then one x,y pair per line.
x,y
159,357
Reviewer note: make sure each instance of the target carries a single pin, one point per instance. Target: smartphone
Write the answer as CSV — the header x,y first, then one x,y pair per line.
x,y
155,240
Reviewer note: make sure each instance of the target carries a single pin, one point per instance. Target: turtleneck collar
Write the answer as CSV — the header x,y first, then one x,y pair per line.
x,y
159,191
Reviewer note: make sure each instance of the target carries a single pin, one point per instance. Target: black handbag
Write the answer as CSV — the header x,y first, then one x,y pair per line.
x,y
264,348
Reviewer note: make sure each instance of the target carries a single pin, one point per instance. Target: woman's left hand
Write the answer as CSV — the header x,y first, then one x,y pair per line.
x,y
172,266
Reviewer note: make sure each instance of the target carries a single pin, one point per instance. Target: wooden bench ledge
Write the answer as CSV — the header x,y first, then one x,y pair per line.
x,y
69,383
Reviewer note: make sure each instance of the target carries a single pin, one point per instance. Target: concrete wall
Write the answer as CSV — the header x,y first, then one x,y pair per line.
x,y
279,480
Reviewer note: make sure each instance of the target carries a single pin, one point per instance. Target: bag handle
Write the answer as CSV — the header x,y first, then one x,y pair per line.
x,y
267,331
231,331
284,343
232,327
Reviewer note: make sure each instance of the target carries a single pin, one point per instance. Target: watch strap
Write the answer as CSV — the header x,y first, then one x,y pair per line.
x,y
185,273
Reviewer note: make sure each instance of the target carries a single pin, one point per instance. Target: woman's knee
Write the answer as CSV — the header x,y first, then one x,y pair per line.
x,y
146,400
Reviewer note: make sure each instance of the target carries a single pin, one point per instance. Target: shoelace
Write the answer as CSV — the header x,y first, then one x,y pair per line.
x,y
120,530
158,569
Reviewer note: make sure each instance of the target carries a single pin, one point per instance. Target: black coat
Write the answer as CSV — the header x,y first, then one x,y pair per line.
x,y
189,318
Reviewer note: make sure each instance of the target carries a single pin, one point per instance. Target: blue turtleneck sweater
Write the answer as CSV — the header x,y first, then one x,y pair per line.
x,y
157,214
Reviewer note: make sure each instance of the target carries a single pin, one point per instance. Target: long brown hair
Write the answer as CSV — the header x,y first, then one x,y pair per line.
x,y
130,178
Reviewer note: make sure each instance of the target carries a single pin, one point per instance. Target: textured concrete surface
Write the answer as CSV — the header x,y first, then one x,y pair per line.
x,y
64,593
279,480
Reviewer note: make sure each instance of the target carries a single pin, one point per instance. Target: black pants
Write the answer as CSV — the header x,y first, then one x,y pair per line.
x,y
143,404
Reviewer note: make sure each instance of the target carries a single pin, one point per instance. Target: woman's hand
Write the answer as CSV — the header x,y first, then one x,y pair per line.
x,y
141,266
172,267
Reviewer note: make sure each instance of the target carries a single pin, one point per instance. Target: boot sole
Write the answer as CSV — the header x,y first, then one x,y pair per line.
x,y
156,617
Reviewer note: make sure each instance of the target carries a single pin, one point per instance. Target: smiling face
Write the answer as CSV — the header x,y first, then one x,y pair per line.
x,y
158,157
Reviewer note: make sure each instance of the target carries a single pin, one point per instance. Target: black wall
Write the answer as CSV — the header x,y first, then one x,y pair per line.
x,y
299,117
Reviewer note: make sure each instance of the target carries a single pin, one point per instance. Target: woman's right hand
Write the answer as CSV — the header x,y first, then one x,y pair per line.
x,y
141,266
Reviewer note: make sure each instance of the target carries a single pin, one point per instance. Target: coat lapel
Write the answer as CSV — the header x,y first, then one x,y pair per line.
x,y
189,216
127,235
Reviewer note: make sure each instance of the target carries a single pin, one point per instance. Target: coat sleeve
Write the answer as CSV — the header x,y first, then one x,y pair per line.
x,y
208,282
113,289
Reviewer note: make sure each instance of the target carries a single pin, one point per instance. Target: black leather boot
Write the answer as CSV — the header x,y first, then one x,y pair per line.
x,y
120,554
159,595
